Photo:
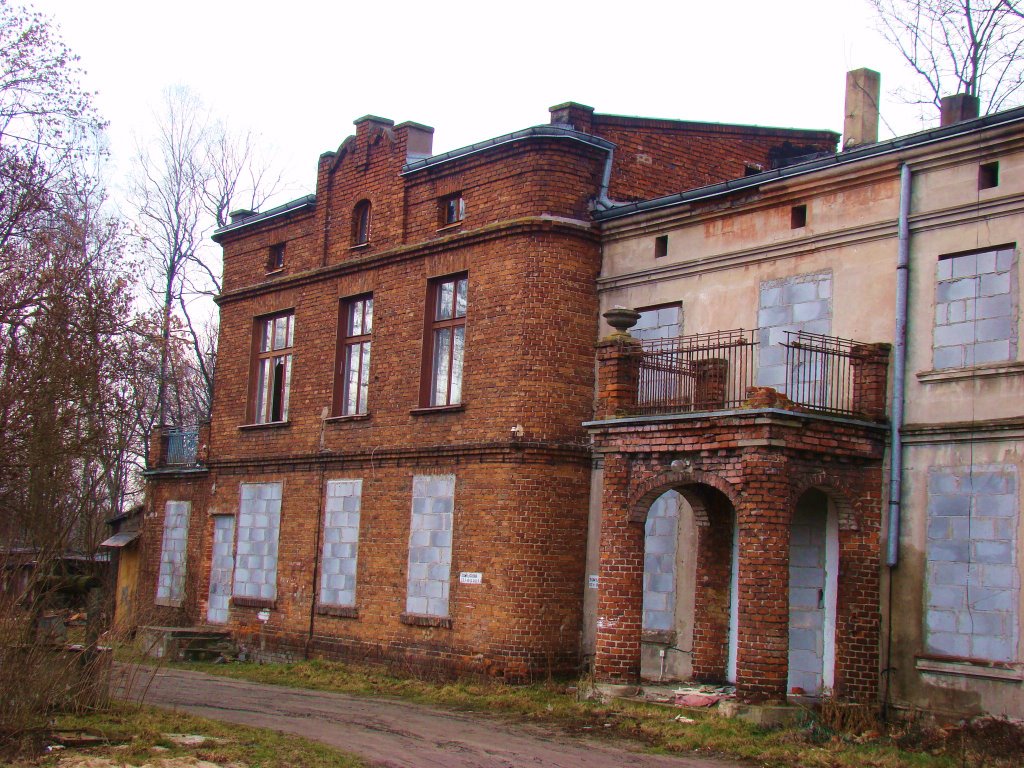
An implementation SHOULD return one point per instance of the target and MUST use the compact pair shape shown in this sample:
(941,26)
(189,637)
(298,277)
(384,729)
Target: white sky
(299,73)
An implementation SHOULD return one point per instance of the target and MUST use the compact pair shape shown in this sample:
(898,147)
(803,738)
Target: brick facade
(514,441)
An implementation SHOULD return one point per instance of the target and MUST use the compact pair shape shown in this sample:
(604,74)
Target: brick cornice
(500,452)
(527,225)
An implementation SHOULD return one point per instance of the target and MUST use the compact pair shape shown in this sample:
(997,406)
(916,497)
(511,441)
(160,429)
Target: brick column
(711,376)
(620,580)
(618,372)
(203,443)
(858,620)
(157,448)
(870,377)
(763,517)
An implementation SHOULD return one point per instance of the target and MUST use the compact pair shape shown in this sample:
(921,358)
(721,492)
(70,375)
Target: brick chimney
(579,117)
(860,126)
(957,108)
(419,140)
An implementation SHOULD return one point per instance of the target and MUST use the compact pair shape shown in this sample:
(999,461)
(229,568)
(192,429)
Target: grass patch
(813,744)
(137,735)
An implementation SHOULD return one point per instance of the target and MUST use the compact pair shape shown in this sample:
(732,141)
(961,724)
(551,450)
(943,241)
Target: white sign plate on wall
(471,578)
(592,581)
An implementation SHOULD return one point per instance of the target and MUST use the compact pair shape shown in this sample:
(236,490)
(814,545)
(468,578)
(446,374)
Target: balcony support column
(870,364)
(618,375)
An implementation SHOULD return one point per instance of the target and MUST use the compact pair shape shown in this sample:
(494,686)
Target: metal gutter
(892,554)
(842,158)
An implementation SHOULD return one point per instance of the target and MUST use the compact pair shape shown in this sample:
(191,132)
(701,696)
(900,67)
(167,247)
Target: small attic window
(988,175)
(361,223)
(452,209)
(798,216)
(275,259)
(660,246)
(752,169)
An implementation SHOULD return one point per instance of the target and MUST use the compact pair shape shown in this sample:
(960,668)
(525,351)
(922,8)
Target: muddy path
(393,733)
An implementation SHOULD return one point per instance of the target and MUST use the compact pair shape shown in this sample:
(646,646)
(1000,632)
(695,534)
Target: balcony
(178,448)
(730,370)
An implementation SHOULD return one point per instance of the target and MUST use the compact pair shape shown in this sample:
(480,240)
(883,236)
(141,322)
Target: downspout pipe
(892,554)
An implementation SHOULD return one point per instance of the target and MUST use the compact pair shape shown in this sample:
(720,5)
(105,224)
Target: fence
(819,372)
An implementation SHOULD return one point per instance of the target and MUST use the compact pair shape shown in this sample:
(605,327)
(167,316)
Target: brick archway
(839,493)
(681,481)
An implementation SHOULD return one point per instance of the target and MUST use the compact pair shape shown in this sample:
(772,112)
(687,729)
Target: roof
(121,539)
(832,160)
(290,207)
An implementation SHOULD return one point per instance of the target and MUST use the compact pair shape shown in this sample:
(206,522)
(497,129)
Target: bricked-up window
(361,223)
(275,337)
(170,588)
(275,260)
(453,209)
(445,340)
(975,309)
(340,543)
(430,545)
(973,589)
(259,523)
(353,381)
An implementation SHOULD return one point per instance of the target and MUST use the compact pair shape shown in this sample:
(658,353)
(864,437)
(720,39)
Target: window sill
(273,272)
(951,665)
(252,602)
(420,620)
(972,372)
(359,246)
(338,611)
(429,409)
(265,425)
(348,417)
(658,636)
(449,227)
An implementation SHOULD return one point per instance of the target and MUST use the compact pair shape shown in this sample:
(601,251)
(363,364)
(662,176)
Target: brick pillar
(618,373)
(870,364)
(858,622)
(620,580)
(711,376)
(763,517)
(157,448)
(711,604)
(203,443)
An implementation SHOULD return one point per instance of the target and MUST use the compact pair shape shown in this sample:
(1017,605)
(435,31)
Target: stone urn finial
(621,319)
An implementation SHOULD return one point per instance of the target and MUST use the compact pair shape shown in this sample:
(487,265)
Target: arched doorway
(689,614)
(813,589)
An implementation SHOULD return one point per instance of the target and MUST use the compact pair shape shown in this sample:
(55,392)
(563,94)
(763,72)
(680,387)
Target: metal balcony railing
(714,371)
(182,446)
(702,372)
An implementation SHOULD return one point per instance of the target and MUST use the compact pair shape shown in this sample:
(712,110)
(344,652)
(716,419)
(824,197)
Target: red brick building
(396,467)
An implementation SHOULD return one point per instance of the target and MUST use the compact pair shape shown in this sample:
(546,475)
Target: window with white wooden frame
(354,334)
(275,339)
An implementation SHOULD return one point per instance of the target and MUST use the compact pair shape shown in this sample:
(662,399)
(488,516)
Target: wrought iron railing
(702,372)
(716,371)
(819,373)
(182,446)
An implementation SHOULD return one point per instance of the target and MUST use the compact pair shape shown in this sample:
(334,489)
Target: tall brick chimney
(959,107)
(860,125)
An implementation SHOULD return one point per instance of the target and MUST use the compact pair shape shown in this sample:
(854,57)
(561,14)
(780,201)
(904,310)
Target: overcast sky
(299,73)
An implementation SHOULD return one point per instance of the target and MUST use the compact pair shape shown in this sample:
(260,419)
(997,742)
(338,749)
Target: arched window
(361,223)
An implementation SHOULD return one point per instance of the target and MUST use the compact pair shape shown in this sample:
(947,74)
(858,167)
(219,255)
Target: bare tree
(187,179)
(975,47)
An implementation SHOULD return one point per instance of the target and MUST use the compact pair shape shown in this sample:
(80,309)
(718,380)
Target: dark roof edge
(841,158)
(600,119)
(257,218)
(537,131)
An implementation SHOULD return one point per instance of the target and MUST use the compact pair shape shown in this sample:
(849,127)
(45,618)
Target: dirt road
(392,733)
